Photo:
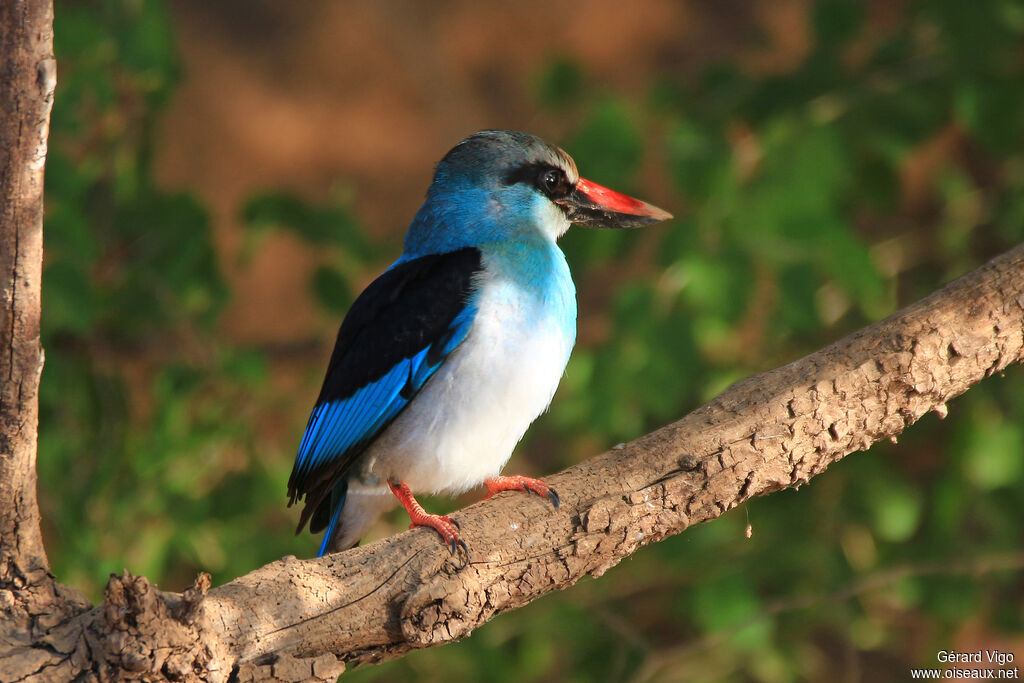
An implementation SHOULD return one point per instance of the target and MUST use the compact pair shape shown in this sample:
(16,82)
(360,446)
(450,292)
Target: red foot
(447,527)
(517,482)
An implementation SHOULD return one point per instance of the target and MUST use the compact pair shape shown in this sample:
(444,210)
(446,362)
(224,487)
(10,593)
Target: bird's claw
(446,527)
(528,484)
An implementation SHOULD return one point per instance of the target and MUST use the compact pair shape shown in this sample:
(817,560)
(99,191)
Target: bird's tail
(338,495)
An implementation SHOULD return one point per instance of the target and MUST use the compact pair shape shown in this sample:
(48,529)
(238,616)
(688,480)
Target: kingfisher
(443,361)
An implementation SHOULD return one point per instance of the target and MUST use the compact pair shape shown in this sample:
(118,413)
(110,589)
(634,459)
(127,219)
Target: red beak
(596,206)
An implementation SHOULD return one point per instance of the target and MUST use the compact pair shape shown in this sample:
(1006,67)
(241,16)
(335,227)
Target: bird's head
(501,185)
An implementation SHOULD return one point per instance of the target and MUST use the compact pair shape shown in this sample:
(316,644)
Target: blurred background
(225,177)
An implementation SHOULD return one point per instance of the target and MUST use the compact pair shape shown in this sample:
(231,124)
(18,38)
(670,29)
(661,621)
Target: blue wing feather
(337,502)
(339,425)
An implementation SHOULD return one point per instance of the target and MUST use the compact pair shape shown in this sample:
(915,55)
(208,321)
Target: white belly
(462,427)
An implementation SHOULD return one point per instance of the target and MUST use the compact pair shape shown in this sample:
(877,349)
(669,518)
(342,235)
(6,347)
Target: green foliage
(561,84)
(799,221)
(331,228)
(145,457)
(315,225)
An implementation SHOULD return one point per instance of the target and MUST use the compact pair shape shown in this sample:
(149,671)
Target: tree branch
(288,620)
(765,433)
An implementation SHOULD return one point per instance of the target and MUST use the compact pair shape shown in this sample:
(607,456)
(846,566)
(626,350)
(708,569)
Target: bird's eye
(554,183)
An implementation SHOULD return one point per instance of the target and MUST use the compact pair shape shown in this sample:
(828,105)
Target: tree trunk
(298,620)
(30,600)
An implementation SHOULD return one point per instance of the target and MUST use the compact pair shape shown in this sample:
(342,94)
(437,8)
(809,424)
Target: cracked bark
(30,601)
(302,619)
(296,620)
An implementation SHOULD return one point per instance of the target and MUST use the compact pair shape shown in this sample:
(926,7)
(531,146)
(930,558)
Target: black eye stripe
(537,175)
(527,173)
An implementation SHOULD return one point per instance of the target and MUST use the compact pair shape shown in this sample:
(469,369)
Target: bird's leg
(447,527)
(518,482)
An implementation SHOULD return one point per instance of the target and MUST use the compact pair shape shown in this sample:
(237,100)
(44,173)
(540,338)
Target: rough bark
(303,619)
(30,601)
(765,433)
(27,81)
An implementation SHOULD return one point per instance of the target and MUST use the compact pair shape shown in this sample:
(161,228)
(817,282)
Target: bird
(443,362)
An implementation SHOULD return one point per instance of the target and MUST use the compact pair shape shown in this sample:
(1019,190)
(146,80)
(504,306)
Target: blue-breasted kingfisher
(443,361)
